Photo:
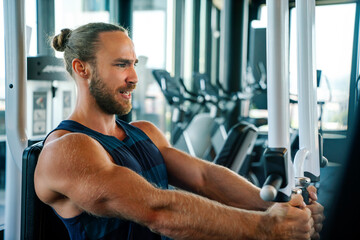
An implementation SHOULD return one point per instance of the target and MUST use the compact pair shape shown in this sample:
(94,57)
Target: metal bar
(308,117)
(15,119)
(179,38)
(277,77)
(114,11)
(208,41)
(354,73)
(45,26)
(233,49)
(196,36)
(125,12)
(215,45)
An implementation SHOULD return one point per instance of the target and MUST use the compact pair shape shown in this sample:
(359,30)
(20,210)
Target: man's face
(105,96)
(114,76)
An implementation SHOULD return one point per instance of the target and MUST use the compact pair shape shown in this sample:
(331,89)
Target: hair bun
(59,42)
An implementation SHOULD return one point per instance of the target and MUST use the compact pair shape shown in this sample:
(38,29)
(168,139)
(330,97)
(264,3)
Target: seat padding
(38,220)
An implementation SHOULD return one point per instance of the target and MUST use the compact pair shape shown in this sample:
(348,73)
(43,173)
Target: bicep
(184,171)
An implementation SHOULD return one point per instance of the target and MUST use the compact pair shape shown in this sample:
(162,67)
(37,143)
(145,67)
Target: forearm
(183,215)
(223,185)
(211,181)
(174,213)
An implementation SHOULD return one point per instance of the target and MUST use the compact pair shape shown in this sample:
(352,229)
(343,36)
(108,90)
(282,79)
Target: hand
(291,220)
(317,212)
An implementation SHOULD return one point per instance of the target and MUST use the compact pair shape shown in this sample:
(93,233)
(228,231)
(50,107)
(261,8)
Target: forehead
(115,44)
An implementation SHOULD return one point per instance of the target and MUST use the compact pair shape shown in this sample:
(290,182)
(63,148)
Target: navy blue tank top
(136,152)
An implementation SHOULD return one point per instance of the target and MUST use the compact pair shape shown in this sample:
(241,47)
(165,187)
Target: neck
(89,114)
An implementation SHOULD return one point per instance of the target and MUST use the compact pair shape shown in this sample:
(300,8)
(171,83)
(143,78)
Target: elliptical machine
(200,132)
(186,110)
(243,133)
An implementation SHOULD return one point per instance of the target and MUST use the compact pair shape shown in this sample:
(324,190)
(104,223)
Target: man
(107,179)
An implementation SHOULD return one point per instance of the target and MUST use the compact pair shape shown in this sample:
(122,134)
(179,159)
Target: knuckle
(318,227)
(308,227)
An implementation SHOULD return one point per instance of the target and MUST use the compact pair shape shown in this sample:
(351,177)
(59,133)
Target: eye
(122,65)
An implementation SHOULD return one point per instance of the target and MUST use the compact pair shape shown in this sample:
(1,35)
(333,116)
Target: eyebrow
(128,61)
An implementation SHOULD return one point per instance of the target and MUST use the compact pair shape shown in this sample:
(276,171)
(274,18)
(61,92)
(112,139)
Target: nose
(132,78)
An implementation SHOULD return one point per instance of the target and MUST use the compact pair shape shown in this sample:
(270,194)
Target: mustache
(129,87)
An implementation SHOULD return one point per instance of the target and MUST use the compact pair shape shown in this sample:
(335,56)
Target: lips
(126,94)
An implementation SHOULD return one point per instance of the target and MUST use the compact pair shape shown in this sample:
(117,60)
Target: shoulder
(63,156)
(62,139)
(145,126)
(154,133)
(63,159)
(69,145)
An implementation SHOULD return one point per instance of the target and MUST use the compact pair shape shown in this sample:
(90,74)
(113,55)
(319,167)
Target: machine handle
(271,186)
(302,183)
(323,162)
(305,195)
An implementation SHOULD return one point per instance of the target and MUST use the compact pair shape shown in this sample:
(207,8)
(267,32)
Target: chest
(143,157)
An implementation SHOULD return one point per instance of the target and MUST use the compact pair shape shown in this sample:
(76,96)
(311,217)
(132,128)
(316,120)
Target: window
(31,27)
(334,43)
(72,14)
(152,37)
(188,43)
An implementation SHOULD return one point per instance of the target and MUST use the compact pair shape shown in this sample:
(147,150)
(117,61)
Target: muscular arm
(75,174)
(216,182)
(204,178)
(88,179)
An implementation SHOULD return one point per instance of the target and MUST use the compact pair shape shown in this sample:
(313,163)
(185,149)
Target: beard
(105,97)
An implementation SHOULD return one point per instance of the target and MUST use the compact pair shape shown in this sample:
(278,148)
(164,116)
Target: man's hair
(82,43)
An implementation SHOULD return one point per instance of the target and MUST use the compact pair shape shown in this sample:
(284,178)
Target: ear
(81,68)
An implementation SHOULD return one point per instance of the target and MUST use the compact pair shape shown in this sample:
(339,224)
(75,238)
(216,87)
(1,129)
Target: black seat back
(169,86)
(38,220)
(237,148)
(202,84)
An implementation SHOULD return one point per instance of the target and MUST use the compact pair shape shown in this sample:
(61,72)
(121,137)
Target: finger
(297,201)
(312,192)
(318,218)
(313,196)
(316,208)
(308,212)
(315,236)
(312,231)
(311,225)
(318,227)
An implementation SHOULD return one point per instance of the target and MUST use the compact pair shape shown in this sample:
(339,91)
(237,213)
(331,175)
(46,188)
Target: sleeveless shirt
(136,152)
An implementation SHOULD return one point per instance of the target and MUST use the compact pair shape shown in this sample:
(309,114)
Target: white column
(15,119)
(277,36)
(307,159)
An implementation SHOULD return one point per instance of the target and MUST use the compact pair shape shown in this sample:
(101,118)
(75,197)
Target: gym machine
(200,134)
(48,87)
(282,176)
